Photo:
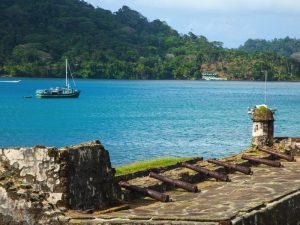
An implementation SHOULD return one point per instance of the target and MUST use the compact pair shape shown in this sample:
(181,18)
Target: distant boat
(60,92)
(252,109)
(10,81)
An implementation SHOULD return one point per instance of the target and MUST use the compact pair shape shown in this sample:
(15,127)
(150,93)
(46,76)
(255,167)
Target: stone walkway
(217,202)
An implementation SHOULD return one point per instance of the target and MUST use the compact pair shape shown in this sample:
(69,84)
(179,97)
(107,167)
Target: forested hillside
(283,46)
(36,36)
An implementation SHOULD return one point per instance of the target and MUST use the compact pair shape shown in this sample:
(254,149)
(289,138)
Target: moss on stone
(39,146)
(262,114)
(262,108)
(52,152)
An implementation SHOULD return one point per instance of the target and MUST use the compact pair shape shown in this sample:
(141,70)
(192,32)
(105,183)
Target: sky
(229,21)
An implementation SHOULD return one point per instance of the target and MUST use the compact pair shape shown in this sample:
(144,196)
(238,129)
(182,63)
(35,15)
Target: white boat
(251,109)
(60,92)
(10,81)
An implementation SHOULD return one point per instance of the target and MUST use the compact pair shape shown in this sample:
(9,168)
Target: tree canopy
(282,46)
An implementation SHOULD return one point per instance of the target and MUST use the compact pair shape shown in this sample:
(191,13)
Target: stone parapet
(38,184)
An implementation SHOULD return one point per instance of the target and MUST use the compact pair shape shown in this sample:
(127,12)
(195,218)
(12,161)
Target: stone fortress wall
(47,185)
(37,184)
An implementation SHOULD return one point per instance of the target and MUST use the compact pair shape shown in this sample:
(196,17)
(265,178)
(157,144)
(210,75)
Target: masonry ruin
(76,185)
(263,127)
(37,184)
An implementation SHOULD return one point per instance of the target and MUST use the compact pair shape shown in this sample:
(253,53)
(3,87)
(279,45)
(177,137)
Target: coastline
(81,78)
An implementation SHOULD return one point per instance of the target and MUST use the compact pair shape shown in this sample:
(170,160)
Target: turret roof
(262,114)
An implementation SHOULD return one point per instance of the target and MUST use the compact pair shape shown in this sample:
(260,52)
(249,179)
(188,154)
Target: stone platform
(269,196)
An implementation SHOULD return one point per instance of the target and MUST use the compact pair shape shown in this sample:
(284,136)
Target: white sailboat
(60,92)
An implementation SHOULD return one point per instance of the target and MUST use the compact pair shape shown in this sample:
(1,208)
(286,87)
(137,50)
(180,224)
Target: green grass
(137,166)
(262,108)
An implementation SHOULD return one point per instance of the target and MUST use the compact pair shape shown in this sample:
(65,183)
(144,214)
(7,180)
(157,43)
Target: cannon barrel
(175,183)
(235,167)
(263,161)
(145,191)
(278,154)
(211,173)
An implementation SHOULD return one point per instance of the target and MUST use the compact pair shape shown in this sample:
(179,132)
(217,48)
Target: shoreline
(196,80)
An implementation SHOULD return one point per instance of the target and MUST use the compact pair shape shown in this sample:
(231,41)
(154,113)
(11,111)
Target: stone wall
(283,211)
(290,144)
(38,184)
(263,133)
(263,126)
(90,177)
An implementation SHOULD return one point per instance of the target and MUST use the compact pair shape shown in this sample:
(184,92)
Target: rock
(21,193)
(12,189)
(63,219)
(88,211)
(63,209)
(35,198)
(26,186)
(6,174)
(39,146)
(8,184)
(53,152)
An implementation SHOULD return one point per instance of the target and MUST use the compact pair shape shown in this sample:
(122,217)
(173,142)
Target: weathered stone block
(87,170)
(39,180)
(263,127)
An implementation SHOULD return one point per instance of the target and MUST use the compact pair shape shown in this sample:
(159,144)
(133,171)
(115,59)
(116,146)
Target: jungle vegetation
(36,36)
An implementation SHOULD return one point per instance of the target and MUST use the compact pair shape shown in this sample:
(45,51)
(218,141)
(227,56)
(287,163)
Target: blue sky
(229,21)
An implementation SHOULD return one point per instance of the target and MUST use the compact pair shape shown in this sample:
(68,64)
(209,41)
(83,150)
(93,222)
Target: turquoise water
(139,120)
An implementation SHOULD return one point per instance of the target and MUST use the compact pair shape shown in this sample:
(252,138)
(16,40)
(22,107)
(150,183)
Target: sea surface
(141,120)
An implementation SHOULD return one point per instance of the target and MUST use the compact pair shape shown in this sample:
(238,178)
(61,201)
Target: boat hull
(71,95)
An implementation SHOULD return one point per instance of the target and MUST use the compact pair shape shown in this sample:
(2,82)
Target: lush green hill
(36,36)
(283,46)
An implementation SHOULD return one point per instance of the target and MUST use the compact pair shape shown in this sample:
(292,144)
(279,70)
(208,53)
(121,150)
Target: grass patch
(262,108)
(138,166)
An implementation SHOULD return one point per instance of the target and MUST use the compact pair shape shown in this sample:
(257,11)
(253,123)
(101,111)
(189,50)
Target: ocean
(141,120)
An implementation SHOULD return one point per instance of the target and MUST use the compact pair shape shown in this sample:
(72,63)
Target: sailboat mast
(67,85)
(266,78)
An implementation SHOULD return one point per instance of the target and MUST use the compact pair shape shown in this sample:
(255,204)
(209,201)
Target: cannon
(263,161)
(176,183)
(145,191)
(277,154)
(207,172)
(235,167)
